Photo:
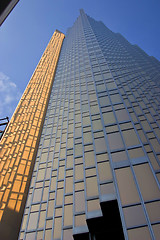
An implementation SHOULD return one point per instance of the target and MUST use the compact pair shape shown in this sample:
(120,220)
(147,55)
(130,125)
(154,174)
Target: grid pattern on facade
(19,144)
(100,139)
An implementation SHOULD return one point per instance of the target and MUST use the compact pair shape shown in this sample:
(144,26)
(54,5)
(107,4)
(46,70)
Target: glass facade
(97,169)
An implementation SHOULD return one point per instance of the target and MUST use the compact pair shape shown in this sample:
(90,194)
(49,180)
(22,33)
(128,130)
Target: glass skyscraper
(93,144)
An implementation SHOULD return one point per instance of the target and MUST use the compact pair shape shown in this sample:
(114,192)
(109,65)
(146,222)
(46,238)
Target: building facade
(97,165)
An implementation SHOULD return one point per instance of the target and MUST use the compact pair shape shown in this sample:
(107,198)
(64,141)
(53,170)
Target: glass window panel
(94,109)
(80,220)
(59,197)
(45,194)
(58,212)
(57,228)
(148,186)
(87,137)
(79,201)
(122,115)
(92,187)
(89,159)
(155,144)
(93,205)
(37,195)
(68,215)
(136,153)
(70,143)
(42,219)
(33,219)
(139,234)
(86,121)
(41,173)
(61,173)
(68,234)
(134,216)
(78,149)
(78,172)
(104,101)
(78,131)
(48,234)
(97,125)
(30,236)
(108,118)
(107,189)
(50,208)
(69,184)
(119,156)
(130,137)
(102,157)
(68,199)
(153,210)
(104,171)
(79,186)
(69,161)
(115,141)
(39,235)
(111,85)
(127,187)
(100,145)
(115,98)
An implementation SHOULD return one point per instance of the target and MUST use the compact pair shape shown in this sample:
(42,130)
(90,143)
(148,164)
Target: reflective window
(127,187)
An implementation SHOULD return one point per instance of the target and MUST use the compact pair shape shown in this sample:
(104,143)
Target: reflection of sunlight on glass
(18,144)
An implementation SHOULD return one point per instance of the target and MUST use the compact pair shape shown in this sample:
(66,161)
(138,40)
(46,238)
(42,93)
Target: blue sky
(27,30)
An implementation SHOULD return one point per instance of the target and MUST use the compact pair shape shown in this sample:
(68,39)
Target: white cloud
(9,96)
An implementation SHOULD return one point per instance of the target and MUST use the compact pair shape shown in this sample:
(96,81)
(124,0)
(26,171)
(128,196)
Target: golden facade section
(19,144)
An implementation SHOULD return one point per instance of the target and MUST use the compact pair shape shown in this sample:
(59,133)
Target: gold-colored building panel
(19,144)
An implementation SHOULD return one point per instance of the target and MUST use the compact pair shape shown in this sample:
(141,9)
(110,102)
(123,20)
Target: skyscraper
(95,167)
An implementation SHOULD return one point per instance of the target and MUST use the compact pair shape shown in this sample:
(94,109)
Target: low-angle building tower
(83,146)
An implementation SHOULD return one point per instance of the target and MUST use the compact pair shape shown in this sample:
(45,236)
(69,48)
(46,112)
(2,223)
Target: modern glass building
(90,144)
